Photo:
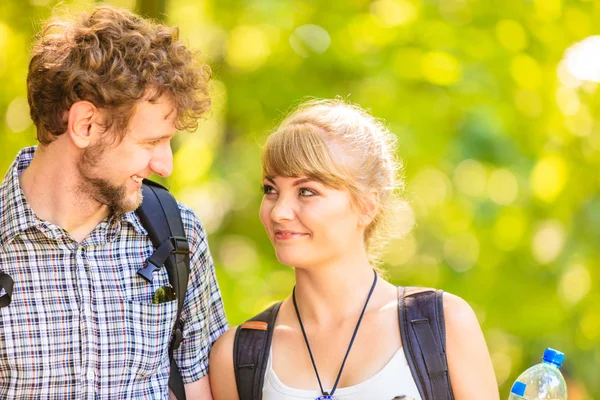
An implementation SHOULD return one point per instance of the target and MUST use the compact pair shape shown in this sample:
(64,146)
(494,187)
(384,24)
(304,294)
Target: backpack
(421,320)
(160,215)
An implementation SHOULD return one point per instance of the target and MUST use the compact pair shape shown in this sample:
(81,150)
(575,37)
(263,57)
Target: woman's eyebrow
(296,183)
(303,180)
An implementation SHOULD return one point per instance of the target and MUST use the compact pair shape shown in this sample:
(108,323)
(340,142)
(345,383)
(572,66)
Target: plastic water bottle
(542,381)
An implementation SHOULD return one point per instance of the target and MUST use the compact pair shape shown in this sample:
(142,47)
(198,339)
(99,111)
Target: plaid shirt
(81,324)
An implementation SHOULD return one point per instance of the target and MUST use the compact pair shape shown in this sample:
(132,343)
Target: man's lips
(137,178)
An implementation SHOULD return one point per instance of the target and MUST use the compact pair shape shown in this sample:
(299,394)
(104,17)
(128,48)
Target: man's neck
(50,185)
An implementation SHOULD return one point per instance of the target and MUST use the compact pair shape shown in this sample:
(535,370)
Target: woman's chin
(294,259)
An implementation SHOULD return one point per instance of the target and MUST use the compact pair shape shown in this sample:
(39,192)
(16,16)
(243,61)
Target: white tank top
(395,379)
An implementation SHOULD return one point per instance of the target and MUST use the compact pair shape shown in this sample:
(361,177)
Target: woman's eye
(304,192)
(153,142)
(267,189)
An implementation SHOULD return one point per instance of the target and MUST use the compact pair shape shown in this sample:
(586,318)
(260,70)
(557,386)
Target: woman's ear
(370,208)
(81,117)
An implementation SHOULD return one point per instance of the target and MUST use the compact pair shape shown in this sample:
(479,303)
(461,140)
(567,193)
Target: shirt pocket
(148,334)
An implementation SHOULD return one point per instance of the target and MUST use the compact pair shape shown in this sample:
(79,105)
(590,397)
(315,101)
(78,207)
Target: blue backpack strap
(251,353)
(160,215)
(422,328)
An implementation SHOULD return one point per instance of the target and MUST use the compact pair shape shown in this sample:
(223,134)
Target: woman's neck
(333,292)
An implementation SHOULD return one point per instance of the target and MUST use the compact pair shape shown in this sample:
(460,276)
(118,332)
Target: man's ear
(370,207)
(81,118)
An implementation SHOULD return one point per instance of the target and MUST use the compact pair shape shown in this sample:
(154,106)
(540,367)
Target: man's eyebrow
(165,136)
(270,179)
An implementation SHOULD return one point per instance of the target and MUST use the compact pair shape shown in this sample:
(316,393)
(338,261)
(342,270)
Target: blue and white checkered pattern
(81,324)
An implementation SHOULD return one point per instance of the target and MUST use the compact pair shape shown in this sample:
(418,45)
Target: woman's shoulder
(452,302)
(458,314)
(221,372)
(222,350)
(467,353)
(224,344)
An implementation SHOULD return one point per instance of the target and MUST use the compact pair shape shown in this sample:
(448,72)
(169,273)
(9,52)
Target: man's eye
(154,142)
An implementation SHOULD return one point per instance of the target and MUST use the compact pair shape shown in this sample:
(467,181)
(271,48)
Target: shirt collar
(16,215)
(134,220)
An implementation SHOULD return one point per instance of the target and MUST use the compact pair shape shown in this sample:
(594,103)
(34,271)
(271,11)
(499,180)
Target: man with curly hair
(107,91)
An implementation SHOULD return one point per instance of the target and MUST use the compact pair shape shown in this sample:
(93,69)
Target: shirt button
(90,375)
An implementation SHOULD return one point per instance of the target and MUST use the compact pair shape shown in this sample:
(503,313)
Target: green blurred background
(498,129)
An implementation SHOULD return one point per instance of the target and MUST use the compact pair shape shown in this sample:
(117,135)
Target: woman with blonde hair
(330,175)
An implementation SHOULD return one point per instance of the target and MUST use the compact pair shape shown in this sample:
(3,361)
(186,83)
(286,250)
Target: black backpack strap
(422,328)
(160,215)
(251,353)
(6,286)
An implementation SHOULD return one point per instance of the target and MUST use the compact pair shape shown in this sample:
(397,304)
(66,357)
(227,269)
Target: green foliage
(500,147)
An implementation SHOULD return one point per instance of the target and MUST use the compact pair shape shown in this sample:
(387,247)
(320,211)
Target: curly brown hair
(113,59)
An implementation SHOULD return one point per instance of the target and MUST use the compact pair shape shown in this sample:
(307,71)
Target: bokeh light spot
(461,251)
(590,324)
(238,254)
(548,9)
(192,161)
(470,177)
(502,187)
(390,13)
(567,100)
(548,241)
(431,187)
(581,123)
(574,284)
(548,177)
(17,115)
(582,59)
(440,68)
(511,35)
(509,229)
(310,39)
(529,103)
(526,71)
(248,48)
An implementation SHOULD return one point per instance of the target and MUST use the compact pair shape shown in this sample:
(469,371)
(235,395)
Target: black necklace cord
(349,346)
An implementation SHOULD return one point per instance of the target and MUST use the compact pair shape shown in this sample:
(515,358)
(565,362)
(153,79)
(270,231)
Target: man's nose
(162,161)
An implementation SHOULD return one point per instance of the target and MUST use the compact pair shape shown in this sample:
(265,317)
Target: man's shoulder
(188,215)
(192,224)
(15,215)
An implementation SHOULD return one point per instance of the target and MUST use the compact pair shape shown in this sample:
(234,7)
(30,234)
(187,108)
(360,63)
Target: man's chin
(128,204)
(136,200)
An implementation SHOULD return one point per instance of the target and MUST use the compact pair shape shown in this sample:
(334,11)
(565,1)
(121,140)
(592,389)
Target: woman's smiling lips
(281,235)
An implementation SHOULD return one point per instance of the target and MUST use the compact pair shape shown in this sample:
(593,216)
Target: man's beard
(101,189)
